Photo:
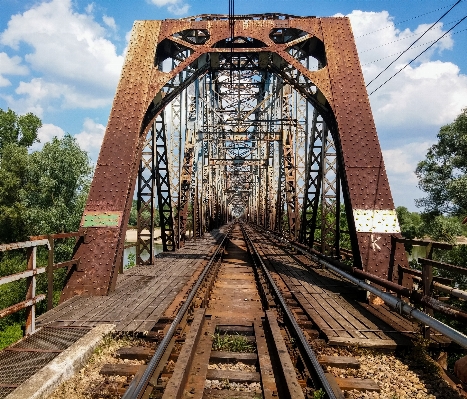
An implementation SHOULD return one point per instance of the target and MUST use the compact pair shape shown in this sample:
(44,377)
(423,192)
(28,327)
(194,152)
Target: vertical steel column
(313,181)
(163,185)
(145,203)
(330,202)
(289,164)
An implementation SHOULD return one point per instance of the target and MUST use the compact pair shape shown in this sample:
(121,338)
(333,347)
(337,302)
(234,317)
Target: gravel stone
(410,376)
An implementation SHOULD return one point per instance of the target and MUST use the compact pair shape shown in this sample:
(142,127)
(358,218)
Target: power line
(406,65)
(402,38)
(420,45)
(401,22)
(408,48)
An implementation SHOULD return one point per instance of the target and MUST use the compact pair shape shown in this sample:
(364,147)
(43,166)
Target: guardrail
(32,271)
(429,283)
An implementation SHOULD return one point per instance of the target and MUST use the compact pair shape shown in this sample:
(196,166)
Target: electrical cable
(406,65)
(420,45)
(402,38)
(401,22)
(408,48)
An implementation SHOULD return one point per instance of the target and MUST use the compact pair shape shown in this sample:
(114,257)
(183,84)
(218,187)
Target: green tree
(443,174)
(133,214)
(40,192)
(410,222)
(18,129)
(43,191)
(58,184)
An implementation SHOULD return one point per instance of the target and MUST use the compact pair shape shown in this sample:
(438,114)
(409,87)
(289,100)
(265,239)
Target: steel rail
(137,387)
(310,358)
(396,303)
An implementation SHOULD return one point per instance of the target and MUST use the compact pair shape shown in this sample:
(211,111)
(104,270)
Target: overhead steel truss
(266,119)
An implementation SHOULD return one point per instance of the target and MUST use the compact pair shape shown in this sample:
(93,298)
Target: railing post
(31,291)
(50,274)
(400,277)
(427,281)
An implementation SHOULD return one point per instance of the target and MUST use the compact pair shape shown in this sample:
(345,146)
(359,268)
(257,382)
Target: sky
(61,59)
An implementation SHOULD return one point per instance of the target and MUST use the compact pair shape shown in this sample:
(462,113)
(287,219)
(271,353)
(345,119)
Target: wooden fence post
(31,291)
(50,274)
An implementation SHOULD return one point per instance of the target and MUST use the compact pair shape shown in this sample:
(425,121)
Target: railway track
(229,338)
(238,333)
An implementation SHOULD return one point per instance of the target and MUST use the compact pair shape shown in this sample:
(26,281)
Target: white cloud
(402,161)
(68,49)
(10,66)
(45,134)
(110,22)
(38,96)
(426,87)
(177,7)
(90,8)
(90,138)
(411,107)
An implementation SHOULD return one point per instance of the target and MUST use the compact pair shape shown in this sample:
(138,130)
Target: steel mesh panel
(16,367)
(4,392)
(52,338)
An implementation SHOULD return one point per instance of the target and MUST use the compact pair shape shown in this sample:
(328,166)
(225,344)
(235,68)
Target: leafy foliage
(20,130)
(133,220)
(443,174)
(58,178)
(133,214)
(41,192)
(411,223)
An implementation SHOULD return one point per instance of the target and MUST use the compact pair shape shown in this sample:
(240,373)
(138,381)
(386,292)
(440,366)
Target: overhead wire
(401,22)
(402,38)
(406,65)
(408,48)
(420,45)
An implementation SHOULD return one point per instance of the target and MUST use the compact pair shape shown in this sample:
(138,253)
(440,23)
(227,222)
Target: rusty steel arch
(336,90)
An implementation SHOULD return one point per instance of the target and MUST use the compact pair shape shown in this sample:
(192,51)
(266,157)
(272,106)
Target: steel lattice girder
(275,45)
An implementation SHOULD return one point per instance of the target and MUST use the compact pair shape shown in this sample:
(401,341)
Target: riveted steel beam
(237,102)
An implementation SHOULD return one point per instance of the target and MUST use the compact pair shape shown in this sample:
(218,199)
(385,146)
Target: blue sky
(61,59)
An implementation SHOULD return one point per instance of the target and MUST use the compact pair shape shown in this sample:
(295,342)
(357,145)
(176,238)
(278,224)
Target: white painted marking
(376,221)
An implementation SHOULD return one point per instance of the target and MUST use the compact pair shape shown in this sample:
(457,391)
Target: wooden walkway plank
(331,312)
(100,311)
(125,308)
(330,317)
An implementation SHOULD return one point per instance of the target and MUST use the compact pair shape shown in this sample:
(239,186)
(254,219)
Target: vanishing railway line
(243,313)
(242,331)
(232,338)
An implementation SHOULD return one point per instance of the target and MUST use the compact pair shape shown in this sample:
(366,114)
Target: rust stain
(343,94)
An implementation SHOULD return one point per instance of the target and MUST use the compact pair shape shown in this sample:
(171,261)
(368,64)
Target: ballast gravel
(409,376)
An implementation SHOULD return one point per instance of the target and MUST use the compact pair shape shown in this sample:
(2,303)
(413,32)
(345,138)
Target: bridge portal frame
(337,91)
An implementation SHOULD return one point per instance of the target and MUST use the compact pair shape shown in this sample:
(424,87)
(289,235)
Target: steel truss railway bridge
(250,142)
(261,117)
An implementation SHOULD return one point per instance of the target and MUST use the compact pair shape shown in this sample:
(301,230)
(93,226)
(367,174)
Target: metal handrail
(396,303)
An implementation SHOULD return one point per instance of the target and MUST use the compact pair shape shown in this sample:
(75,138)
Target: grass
(231,343)
(10,334)
(319,394)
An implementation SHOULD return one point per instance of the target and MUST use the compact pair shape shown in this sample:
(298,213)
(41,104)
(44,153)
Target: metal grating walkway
(23,359)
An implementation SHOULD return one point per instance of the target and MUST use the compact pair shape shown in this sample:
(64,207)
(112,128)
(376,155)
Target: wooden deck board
(336,309)
(142,294)
(322,295)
